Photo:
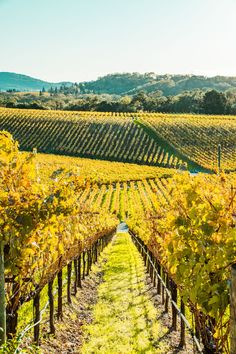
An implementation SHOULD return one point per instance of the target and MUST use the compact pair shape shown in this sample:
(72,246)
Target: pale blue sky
(80,40)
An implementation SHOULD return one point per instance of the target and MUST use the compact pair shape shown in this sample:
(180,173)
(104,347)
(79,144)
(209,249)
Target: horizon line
(120,73)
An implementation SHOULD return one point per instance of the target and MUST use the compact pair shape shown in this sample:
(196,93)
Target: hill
(149,139)
(10,81)
(131,83)
(125,83)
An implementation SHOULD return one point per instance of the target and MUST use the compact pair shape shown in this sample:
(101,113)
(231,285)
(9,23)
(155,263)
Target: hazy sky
(80,40)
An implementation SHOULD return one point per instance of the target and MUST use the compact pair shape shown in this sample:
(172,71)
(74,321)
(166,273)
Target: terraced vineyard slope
(186,222)
(165,140)
(113,137)
(197,136)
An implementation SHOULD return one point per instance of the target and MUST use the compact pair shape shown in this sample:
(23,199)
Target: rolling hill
(148,139)
(169,85)
(125,83)
(10,81)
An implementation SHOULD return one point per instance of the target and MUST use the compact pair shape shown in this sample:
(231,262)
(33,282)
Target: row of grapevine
(43,227)
(50,166)
(198,136)
(118,137)
(188,223)
(194,238)
(94,135)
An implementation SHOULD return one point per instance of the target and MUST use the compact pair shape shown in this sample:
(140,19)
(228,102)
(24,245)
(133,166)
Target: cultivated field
(153,139)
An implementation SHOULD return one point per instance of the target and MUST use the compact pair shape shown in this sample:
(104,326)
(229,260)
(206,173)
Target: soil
(69,331)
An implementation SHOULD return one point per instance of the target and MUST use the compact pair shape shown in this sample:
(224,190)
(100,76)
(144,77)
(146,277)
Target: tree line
(69,98)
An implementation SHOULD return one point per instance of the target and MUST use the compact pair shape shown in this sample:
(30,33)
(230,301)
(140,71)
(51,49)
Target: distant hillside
(125,83)
(9,81)
(129,84)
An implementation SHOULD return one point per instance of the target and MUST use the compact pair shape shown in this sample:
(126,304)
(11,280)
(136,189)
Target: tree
(139,100)
(214,102)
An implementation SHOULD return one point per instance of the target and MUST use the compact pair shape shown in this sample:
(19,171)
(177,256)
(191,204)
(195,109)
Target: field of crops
(55,207)
(198,136)
(188,224)
(92,135)
(165,140)
(50,166)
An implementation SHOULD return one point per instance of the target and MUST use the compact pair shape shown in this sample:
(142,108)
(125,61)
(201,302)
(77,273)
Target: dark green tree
(214,102)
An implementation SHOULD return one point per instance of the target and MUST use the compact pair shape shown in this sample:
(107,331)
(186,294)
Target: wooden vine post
(90,259)
(155,276)
(167,297)
(51,307)
(182,326)
(174,298)
(159,281)
(76,276)
(59,305)
(79,272)
(2,297)
(163,288)
(96,251)
(12,310)
(84,265)
(233,310)
(69,269)
(36,318)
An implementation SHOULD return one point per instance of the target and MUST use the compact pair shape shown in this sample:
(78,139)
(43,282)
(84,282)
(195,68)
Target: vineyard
(148,139)
(198,136)
(59,212)
(108,137)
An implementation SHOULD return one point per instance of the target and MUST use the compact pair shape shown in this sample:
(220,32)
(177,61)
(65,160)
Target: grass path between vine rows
(124,317)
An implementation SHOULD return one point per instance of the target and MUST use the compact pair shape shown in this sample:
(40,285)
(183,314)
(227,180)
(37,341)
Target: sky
(80,40)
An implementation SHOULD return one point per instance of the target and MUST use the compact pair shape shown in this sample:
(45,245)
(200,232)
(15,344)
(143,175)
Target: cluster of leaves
(196,137)
(194,236)
(198,239)
(41,226)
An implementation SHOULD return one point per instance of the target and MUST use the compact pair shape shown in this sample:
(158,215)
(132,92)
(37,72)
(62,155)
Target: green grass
(124,318)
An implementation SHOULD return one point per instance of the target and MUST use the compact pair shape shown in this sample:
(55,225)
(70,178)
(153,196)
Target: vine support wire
(169,295)
(31,324)
(38,319)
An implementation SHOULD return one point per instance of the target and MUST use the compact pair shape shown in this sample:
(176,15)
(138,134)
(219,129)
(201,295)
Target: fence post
(174,298)
(69,267)
(233,310)
(149,263)
(167,297)
(36,304)
(59,307)
(79,272)
(151,267)
(88,265)
(51,307)
(154,271)
(76,276)
(182,326)
(90,258)
(163,288)
(84,265)
(158,280)
(145,257)
(96,252)
(12,311)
